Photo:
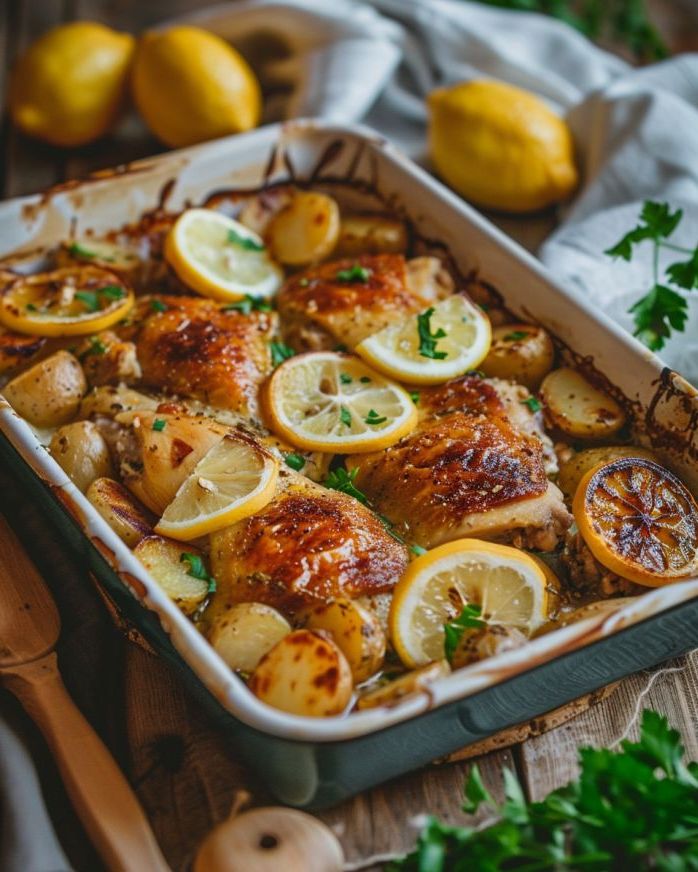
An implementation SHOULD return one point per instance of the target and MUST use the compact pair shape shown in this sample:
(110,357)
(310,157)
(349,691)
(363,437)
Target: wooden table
(183,771)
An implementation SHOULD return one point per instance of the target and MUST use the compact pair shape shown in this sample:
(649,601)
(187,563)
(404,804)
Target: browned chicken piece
(319,310)
(196,348)
(17,350)
(108,360)
(465,471)
(307,546)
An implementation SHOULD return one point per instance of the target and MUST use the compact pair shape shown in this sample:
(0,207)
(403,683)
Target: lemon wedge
(233,480)
(219,257)
(506,583)
(439,344)
(325,401)
(72,301)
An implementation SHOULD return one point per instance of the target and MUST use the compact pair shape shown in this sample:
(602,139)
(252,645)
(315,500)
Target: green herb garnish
(295,461)
(515,335)
(111,292)
(341,480)
(96,347)
(373,419)
(533,404)
(197,569)
(427,339)
(159,424)
(345,416)
(636,808)
(355,273)
(468,619)
(280,352)
(244,241)
(249,304)
(30,307)
(92,299)
(414,396)
(345,378)
(417,550)
(365,379)
(78,251)
(662,309)
(158,306)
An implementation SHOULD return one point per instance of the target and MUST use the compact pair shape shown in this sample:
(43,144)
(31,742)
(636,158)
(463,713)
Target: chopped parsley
(345,378)
(280,352)
(355,273)
(468,619)
(77,250)
(30,307)
(341,480)
(373,419)
(244,241)
(417,550)
(427,339)
(414,396)
(197,569)
(533,404)
(345,416)
(295,461)
(515,335)
(365,379)
(159,424)
(249,304)
(158,306)
(92,300)
(96,346)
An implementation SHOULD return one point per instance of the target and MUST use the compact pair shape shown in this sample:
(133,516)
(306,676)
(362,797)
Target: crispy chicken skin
(465,471)
(195,348)
(319,311)
(307,546)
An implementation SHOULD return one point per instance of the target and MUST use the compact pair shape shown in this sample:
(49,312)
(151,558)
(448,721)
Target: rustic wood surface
(185,774)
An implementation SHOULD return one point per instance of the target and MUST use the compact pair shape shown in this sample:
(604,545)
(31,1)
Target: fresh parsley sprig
(92,300)
(341,480)
(427,339)
(468,619)
(197,569)
(636,808)
(248,304)
(355,273)
(244,242)
(279,352)
(662,309)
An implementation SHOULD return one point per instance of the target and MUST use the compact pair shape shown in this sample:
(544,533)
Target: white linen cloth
(636,130)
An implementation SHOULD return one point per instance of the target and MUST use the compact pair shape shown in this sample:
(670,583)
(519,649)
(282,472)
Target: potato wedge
(577,408)
(306,230)
(124,514)
(245,632)
(357,632)
(304,674)
(163,560)
(111,400)
(576,467)
(486,642)
(522,353)
(81,451)
(410,683)
(49,393)
(370,234)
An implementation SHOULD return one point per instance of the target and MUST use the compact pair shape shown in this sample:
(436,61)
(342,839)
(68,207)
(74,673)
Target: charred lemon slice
(72,301)
(639,521)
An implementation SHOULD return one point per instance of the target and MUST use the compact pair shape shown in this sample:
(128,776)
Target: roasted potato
(124,514)
(522,353)
(49,393)
(17,349)
(370,234)
(486,642)
(81,451)
(410,683)
(357,632)
(100,252)
(163,560)
(245,632)
(575,468)
(304,674)
(305,231)
(111,400)
(577,408)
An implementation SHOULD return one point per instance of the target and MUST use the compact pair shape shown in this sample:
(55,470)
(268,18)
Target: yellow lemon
(69,86)
(500,146)
(190,86)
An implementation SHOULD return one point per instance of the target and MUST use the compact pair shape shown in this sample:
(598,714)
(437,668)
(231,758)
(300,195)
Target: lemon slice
(324,401)
(219,257)
(508,585)
(72,301)
(440,343)
(233,480)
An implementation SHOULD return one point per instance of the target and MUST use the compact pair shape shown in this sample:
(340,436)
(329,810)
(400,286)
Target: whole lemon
(190,85)
(70,84)
(500,146)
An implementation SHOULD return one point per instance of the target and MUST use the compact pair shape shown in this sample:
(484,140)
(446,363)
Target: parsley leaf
(279,353)
(295,461)
(345,416)
(417,550)
(414,396)
(656,313)
(158,306)
(244,241)
(249,304)
(159,424)
(427,339)
(656,222)
(345,378)
(373,419)
(356,273)
(341,480)
(684,274)
(197,569)
(533,404)
(89,299)
(515,335)
(92,300)
(78,251)
(469,618)
(96,347)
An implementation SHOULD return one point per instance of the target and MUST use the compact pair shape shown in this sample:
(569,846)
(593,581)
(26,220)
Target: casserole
(312,762)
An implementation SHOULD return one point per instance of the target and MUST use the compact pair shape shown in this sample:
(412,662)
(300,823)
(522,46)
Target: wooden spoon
(103,799)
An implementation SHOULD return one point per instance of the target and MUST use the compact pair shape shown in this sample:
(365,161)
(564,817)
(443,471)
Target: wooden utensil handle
(99,791)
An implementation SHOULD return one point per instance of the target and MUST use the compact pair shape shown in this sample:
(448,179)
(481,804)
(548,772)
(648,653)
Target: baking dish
(316,762)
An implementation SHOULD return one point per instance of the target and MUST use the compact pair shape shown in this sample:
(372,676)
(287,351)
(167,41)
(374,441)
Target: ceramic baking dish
(316,762)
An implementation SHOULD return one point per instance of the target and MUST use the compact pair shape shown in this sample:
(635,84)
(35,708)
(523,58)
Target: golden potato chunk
(522,353)
(49,393)
(573,470)
(579,409)
(124,514)
(306,230)
(81,451)
(357,632)
(244,633)
(166,561)
(304,674)
(370,233)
